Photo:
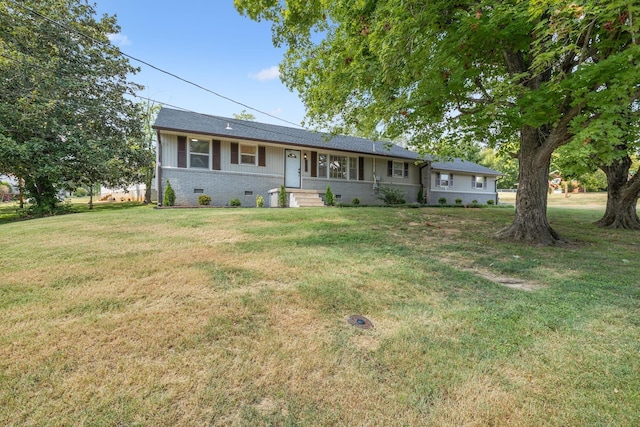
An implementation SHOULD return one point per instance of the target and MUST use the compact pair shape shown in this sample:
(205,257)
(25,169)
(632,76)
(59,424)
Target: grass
(140,316)
(595,201)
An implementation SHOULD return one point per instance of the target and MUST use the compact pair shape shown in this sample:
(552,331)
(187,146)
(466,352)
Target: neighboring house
(133,193)
(228,158)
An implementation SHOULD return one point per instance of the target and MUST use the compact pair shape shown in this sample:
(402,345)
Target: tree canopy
(540,72)
(66,114)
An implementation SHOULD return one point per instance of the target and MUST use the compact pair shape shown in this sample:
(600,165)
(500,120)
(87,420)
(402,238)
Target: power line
(60,24)
(237,122)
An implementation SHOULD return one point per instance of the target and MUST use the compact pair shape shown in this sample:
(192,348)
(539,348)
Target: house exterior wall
(462,188)
(248,181)
(222,186)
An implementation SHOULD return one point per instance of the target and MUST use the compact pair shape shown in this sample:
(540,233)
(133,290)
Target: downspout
(425,196)
(159,170)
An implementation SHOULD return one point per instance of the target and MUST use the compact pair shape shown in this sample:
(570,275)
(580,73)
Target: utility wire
(60,24)
(236,122)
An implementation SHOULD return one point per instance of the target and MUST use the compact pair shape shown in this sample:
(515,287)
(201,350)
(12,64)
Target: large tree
(612,151)
(66,114)
(544,71)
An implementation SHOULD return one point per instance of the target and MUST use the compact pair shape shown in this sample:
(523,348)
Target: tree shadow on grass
(11,212)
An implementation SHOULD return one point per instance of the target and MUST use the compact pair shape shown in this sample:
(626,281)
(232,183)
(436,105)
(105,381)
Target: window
(478,182)
(398,169)
(338,167)
(353,168)
(322,165)
(248,154)
(199,153)
(444,180)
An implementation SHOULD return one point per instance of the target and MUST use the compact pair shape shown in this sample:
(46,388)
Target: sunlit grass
(138,315)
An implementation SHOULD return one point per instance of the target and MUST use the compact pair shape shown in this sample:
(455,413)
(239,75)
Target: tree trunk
(90,196)
(148,179)
(530,224)
(622,196)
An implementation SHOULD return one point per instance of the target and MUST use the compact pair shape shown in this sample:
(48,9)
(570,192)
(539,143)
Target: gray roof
(176,120)
(460,165)
(186,121)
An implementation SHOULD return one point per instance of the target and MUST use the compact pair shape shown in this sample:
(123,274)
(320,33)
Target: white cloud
(266,74)
(119,39)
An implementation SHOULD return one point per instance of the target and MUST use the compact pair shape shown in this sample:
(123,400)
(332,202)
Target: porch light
(228,127)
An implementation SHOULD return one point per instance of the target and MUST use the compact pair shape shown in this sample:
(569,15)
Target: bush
(259,201)
(458,201)
(329,199)
(355,201)
(204,200)
(391,196)
(474,202)
(235,202)
(490,202)
(9,188)
(169,198)
(442,201)
(5,192)
(80,192)
(282,197)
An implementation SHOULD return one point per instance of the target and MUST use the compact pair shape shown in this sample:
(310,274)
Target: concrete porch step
(306,200)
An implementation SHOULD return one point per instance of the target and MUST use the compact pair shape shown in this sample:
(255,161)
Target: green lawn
(130,315)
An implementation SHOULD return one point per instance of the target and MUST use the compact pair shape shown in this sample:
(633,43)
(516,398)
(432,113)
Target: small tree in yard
(169,195)
(282,197)
(329,199)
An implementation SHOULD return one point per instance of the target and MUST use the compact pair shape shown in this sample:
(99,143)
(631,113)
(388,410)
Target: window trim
(241,154)
(353,167)
(191,153)
(449,179)
(482,182)
(398,169)
(342,169)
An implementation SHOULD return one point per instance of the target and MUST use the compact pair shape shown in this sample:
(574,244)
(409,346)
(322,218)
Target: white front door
(292,168)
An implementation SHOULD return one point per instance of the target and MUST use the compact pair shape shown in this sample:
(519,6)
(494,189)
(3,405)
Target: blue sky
(209,43)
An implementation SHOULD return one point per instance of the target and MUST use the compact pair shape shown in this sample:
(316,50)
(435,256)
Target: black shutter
(234,153)
(262,155)
(389,168)
(451,180)
(484,183)
(361,168)
(406,169)
(437,179)
(314,164)
(182,151)
(216,155)
(473,181)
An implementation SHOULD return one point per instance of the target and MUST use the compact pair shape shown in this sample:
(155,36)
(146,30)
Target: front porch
(297,198)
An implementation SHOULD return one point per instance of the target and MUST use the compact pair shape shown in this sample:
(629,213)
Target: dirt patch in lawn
(508,281)
(500,279)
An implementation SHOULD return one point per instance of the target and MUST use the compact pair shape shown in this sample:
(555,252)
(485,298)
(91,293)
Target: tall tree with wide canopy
(65,117)
(546,71)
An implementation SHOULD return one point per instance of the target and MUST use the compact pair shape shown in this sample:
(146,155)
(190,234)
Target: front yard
(239,317)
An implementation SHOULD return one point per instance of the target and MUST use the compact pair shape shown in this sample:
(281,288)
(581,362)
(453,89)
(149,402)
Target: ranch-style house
(226,158)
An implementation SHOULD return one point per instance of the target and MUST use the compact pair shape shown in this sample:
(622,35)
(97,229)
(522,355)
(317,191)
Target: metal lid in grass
(360,322)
